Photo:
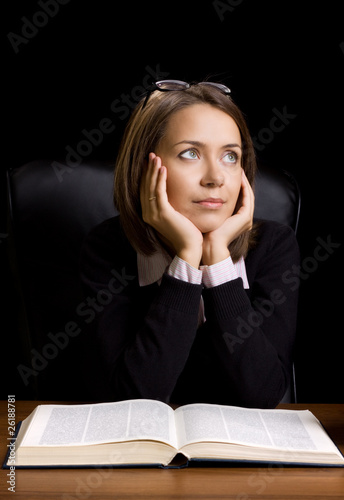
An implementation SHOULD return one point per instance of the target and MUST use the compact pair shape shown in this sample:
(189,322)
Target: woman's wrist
(192,257)
(214,253)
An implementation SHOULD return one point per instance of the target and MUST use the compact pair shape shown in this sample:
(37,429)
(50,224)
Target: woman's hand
(215,243)
(176,231)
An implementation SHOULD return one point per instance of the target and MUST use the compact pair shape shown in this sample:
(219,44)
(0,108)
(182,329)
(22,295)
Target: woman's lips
(211,203)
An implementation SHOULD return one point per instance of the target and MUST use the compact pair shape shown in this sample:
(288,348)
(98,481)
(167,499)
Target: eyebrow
(201,144)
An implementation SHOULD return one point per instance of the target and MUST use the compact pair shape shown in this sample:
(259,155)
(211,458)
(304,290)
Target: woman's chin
(208,227)
(209,222)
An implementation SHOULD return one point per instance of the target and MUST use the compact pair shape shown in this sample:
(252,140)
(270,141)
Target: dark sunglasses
(177,85)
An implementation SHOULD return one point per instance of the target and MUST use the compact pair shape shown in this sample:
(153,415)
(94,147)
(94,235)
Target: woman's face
(202,151)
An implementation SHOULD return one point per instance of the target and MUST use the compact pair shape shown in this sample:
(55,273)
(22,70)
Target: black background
(272,54)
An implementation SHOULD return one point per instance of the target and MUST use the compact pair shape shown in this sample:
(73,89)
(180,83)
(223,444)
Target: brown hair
(143,132)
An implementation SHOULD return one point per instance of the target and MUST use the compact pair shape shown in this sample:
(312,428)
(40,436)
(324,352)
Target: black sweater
(149,340)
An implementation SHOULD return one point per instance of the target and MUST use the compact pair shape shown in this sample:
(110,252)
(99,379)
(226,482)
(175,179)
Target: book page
(282,429)
(200,422)
(267,429)
(64,425)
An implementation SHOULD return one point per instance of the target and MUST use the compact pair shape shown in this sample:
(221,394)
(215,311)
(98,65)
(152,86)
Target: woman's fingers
(153,173)
(153,194)
(247,205)
(148,184)
(161,192)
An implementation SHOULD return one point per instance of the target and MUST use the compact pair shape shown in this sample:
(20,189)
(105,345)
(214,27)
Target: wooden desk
(239,483)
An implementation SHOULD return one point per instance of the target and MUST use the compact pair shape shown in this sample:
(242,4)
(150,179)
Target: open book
(147,432)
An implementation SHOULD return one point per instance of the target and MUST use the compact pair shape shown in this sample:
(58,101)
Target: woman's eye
(189,154)
(231,158)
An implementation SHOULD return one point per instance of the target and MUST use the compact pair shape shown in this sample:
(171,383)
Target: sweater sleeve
(144,334)
(253,333)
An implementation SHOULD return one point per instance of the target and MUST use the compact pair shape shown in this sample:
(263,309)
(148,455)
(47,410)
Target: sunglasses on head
(178,85)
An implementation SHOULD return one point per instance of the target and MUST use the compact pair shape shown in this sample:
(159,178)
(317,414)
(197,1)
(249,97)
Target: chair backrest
(52,207)
(277,196)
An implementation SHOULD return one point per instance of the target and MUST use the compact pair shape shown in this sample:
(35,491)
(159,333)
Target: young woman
(193,303)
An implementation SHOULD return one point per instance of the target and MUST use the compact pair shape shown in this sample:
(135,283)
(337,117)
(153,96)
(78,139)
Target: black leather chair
(50,212)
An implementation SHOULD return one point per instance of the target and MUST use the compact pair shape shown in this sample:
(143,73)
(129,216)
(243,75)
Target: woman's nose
(213,175)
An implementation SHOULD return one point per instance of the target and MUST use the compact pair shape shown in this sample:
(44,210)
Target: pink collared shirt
(151,269)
